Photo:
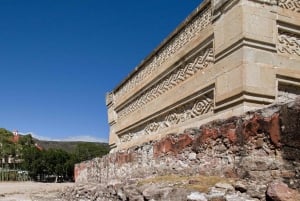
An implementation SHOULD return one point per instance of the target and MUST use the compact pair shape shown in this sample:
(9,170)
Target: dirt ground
(31,191)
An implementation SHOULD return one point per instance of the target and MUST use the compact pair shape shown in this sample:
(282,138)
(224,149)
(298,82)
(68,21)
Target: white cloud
(37,136)
(84,138)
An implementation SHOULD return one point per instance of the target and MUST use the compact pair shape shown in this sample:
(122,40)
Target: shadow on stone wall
(290,140)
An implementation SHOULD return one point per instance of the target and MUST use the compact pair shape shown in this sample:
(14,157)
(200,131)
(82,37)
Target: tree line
(44,165)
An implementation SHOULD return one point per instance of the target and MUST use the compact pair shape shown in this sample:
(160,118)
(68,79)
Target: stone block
(278,191)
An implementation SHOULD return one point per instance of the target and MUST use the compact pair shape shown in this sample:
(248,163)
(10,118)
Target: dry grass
(203,183)
(199,183)
(164,179)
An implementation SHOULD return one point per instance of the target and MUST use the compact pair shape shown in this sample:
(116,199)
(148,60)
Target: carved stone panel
(179,75)
(293,5)
(288,43)
(193,109)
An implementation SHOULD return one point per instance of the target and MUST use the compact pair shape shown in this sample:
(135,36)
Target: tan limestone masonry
(227,57)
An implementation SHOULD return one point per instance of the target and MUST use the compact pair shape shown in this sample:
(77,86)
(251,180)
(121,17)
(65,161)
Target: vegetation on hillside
(45,164)
(70,146)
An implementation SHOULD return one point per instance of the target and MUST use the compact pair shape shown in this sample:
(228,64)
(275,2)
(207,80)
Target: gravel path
(31,191)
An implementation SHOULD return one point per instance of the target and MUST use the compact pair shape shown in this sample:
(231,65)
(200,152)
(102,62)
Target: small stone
(240,186)
(233,197)
(257,190)
(217,199)
(156,192)
(192,156)
(121,195)
(239,197)
(221,148)
(279,191)
(259,143)
(216,195)
(196,196)
(226,186)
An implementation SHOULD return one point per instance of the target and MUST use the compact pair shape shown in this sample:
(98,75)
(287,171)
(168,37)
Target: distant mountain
(68,146)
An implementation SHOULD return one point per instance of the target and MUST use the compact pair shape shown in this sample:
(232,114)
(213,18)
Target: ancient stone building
(227,57)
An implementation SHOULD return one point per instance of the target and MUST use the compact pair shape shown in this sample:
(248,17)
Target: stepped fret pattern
(200,106)
(184,72)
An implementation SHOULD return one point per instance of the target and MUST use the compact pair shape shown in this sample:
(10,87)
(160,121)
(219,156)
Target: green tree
(56,160)
(33,161)
(6,145)
(26,140)
(5,133)
(88,150)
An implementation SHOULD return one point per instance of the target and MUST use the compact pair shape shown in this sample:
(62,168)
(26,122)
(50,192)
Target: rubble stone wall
(262,145)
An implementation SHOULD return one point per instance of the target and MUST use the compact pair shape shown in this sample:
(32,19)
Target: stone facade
(226,58)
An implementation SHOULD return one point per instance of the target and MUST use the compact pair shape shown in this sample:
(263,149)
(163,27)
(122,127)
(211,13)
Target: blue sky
(58,58)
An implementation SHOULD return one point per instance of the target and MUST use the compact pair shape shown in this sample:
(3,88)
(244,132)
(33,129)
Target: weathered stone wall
(226,58)
(259,146)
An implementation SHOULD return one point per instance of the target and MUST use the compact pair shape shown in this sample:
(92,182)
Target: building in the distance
(227,57)
(16,136)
